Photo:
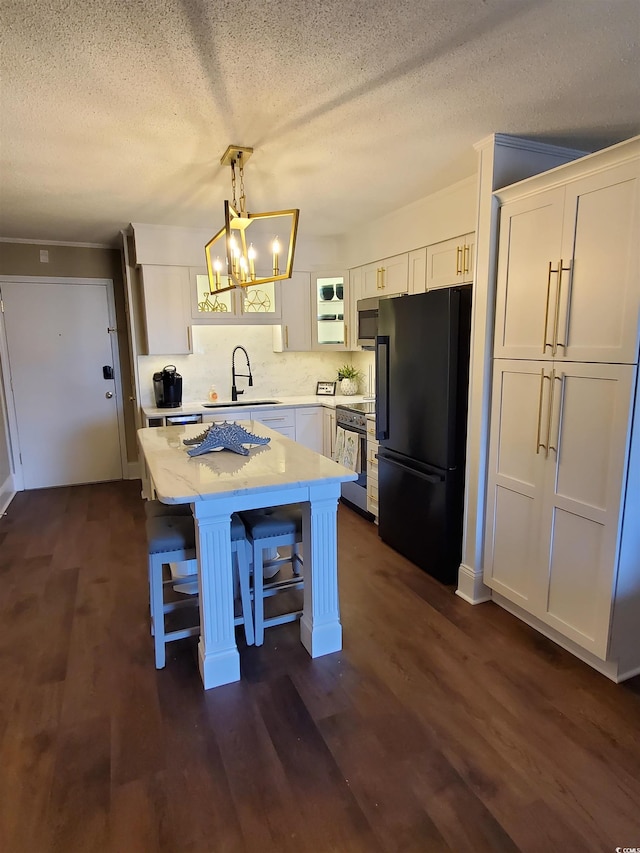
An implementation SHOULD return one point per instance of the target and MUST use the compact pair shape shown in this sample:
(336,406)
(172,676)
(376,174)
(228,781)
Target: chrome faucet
(234,390)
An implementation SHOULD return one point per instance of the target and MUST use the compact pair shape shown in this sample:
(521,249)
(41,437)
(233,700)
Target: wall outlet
(44,256)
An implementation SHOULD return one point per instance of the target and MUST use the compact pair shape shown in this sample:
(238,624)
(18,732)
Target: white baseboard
(7,493)
(470,586)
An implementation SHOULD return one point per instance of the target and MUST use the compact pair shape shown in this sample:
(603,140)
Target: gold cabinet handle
(382,278)
(346,335)
(545,344)
(557,343)
(560,379)
(539,444)
(466,255)
(286,337)
(458,260)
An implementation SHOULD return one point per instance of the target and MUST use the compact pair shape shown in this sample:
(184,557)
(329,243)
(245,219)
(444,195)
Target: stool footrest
(281,620)
(275,587)
(182,634)
(171,606)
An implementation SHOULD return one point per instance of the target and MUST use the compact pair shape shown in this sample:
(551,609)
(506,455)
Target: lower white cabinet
(328,432)
(561,475)
(227,414)
(309,427)
(372,469)
(303,424)
(282,420)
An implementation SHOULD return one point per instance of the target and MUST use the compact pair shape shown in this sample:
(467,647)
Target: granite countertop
(197,407)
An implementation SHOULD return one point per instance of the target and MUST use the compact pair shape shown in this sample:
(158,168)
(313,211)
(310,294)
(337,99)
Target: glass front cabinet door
(259,304)
(329,299)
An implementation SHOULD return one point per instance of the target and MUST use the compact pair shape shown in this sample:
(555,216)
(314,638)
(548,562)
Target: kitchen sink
(238,403)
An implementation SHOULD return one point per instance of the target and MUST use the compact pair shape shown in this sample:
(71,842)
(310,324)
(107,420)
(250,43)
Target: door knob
(109,395)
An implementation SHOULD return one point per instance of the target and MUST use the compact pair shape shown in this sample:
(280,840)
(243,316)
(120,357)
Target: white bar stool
(271,528)
(171,539)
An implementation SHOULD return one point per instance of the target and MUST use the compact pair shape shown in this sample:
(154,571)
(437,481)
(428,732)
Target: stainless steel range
(353,418)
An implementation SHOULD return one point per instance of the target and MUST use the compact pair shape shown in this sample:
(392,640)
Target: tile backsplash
(287,374)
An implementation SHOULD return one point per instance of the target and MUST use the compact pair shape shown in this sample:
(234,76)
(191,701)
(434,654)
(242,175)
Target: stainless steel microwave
(367,310)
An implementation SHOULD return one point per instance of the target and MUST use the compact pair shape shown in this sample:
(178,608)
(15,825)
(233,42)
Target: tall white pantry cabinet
(562,545)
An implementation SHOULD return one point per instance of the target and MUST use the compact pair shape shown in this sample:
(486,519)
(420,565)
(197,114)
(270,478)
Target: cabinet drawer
(275,418)
(371,430)
(225,414)
(372,490)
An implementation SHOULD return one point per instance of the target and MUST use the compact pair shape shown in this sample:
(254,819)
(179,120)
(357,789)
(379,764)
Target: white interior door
(66,412)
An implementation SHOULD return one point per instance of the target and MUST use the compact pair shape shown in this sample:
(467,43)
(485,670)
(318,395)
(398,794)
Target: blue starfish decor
(223,436)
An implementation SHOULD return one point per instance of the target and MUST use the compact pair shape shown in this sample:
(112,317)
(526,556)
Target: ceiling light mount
(249,243)
(234,154)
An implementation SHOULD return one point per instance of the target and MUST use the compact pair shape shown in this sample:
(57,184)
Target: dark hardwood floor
(439,727)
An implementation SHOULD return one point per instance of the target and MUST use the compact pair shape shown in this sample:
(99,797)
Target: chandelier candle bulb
(243,268)
(217,266)
(276,258)
(234,255)
(252,256)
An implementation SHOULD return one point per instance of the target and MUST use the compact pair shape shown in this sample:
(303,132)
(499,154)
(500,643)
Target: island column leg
(218,657)
(320,628)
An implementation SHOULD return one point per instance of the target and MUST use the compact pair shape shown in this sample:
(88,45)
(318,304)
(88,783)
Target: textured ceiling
(113,113)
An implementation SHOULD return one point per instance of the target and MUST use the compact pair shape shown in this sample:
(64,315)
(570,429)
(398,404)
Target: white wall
(439,216)
(274,374)
(175,246)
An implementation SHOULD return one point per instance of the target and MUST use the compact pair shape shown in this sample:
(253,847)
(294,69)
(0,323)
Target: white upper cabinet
(599,308)
(330,311)
(256,305)
(418,270)
(165,297)
(568,266)
(293,333)
(355,293)
(450,262)
(386,277)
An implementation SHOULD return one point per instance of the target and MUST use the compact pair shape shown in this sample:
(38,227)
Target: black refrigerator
(422,380)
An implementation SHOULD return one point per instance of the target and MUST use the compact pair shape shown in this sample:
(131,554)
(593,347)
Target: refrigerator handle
(382,387)
(430,478)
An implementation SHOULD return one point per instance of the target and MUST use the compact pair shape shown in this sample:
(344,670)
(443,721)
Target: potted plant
(349,378)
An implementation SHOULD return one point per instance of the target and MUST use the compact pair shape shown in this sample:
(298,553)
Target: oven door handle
(430,478)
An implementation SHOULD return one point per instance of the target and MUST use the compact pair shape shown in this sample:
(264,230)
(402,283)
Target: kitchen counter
(220,483)
(196,408)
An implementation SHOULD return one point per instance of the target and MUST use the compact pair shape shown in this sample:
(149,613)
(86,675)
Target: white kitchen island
(220,483)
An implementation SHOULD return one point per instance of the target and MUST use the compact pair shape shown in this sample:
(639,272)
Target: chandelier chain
(233,184)
(243,198)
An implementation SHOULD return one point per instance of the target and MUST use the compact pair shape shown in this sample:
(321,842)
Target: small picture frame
(326,389)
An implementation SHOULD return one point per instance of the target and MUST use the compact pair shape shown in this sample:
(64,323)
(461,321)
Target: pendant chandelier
(252,248)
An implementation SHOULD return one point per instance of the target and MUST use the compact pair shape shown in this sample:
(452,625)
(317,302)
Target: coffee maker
(167,385)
